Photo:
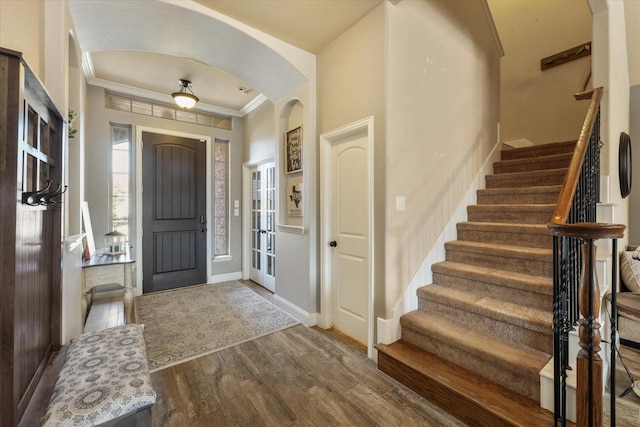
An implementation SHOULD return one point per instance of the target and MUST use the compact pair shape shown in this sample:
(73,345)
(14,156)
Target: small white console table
(104,269)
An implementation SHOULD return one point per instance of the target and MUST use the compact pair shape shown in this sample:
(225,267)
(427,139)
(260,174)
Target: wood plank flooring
(296,377)
(627,407)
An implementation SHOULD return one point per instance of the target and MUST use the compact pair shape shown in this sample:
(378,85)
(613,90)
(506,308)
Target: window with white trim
(221,197)
(120,176)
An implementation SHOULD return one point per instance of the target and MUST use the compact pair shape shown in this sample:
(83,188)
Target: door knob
(333,243)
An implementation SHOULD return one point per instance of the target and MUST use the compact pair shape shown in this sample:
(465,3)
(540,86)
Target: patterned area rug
(187,323)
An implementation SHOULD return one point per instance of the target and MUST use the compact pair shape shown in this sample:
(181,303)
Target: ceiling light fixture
(183,98)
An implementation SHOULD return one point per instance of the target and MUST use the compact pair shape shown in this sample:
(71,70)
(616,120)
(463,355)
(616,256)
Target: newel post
(589,363)
(589,393)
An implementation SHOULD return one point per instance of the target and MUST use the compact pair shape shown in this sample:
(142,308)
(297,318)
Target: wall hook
(31,198)
(48,199)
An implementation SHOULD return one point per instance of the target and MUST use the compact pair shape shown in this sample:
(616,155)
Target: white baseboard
(309,319)
(217,278)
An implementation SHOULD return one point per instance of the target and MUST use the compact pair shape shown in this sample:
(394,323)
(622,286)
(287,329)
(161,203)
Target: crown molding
(253,104)
(89,73)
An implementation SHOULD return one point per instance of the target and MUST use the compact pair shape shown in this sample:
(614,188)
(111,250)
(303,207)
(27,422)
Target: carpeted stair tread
(534,235)
(505,354)
(523,252)
(504,311)
(497,276)
(556,161)
(526,179)
(489,309)
(527,289)
(512,258)
(521,213)
(519,195)
(468,396)
(538,150)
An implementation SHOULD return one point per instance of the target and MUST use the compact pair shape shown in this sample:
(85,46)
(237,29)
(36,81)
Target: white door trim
(138,194)
(246,209)
(326,141)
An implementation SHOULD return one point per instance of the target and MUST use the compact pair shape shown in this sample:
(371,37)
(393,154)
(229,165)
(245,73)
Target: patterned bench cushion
(105,376)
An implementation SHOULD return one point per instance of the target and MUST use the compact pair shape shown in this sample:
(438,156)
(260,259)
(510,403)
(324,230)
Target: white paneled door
(263,234)
(349,233)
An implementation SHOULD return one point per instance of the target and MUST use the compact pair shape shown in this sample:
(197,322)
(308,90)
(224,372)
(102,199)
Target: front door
(173,212)
(350,235)
(263,231)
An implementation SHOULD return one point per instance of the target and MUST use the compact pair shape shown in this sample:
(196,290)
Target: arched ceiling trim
(154,26)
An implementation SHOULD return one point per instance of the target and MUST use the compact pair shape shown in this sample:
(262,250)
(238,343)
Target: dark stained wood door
(174,212)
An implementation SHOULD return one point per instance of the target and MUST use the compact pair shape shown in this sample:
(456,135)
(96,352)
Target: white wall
(351,86)
(442,115)
(611,71)
(632,17)
(259,138)
(634,197)
(539,105)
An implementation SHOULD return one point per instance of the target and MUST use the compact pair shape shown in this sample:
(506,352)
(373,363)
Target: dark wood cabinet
(32,131)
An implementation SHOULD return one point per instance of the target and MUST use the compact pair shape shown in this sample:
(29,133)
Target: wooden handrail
(588,230)
(568,190)
(581,90)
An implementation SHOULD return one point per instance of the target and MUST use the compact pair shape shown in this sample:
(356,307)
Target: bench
(104,381)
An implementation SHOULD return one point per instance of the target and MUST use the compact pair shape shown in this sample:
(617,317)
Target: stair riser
(484,198)
(511,377)
(532,240)
(455,403)
(502,293)
(516,334)
(530,180)
(510,217)
(533,266)
(502,167)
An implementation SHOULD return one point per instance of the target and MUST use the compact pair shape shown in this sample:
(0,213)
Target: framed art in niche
(293,150)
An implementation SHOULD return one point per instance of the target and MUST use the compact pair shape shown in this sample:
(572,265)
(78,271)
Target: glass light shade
(116,243)
(185,100)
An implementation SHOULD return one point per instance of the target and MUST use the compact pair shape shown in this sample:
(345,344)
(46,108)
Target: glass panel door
(263,226)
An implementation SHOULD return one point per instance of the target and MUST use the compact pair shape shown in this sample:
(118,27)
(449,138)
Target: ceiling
(131,64)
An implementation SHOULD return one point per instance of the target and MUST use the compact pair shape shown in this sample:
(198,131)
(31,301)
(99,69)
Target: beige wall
(632,17)
(539,105)
(259,138)
(351,86)
(442,115)
(611,71)
(22,29)
(634,198)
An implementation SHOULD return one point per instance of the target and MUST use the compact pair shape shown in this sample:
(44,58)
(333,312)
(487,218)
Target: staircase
(483,329)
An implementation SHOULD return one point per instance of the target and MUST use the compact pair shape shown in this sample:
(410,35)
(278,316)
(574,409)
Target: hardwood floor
(627,407)
(299,377)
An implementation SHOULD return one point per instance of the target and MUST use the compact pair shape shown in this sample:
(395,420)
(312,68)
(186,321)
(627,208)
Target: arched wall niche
(292,182)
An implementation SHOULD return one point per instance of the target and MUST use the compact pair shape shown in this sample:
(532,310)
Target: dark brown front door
(173,212)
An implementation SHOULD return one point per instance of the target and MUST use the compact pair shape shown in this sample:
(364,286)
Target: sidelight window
(120,176)
(221,197)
